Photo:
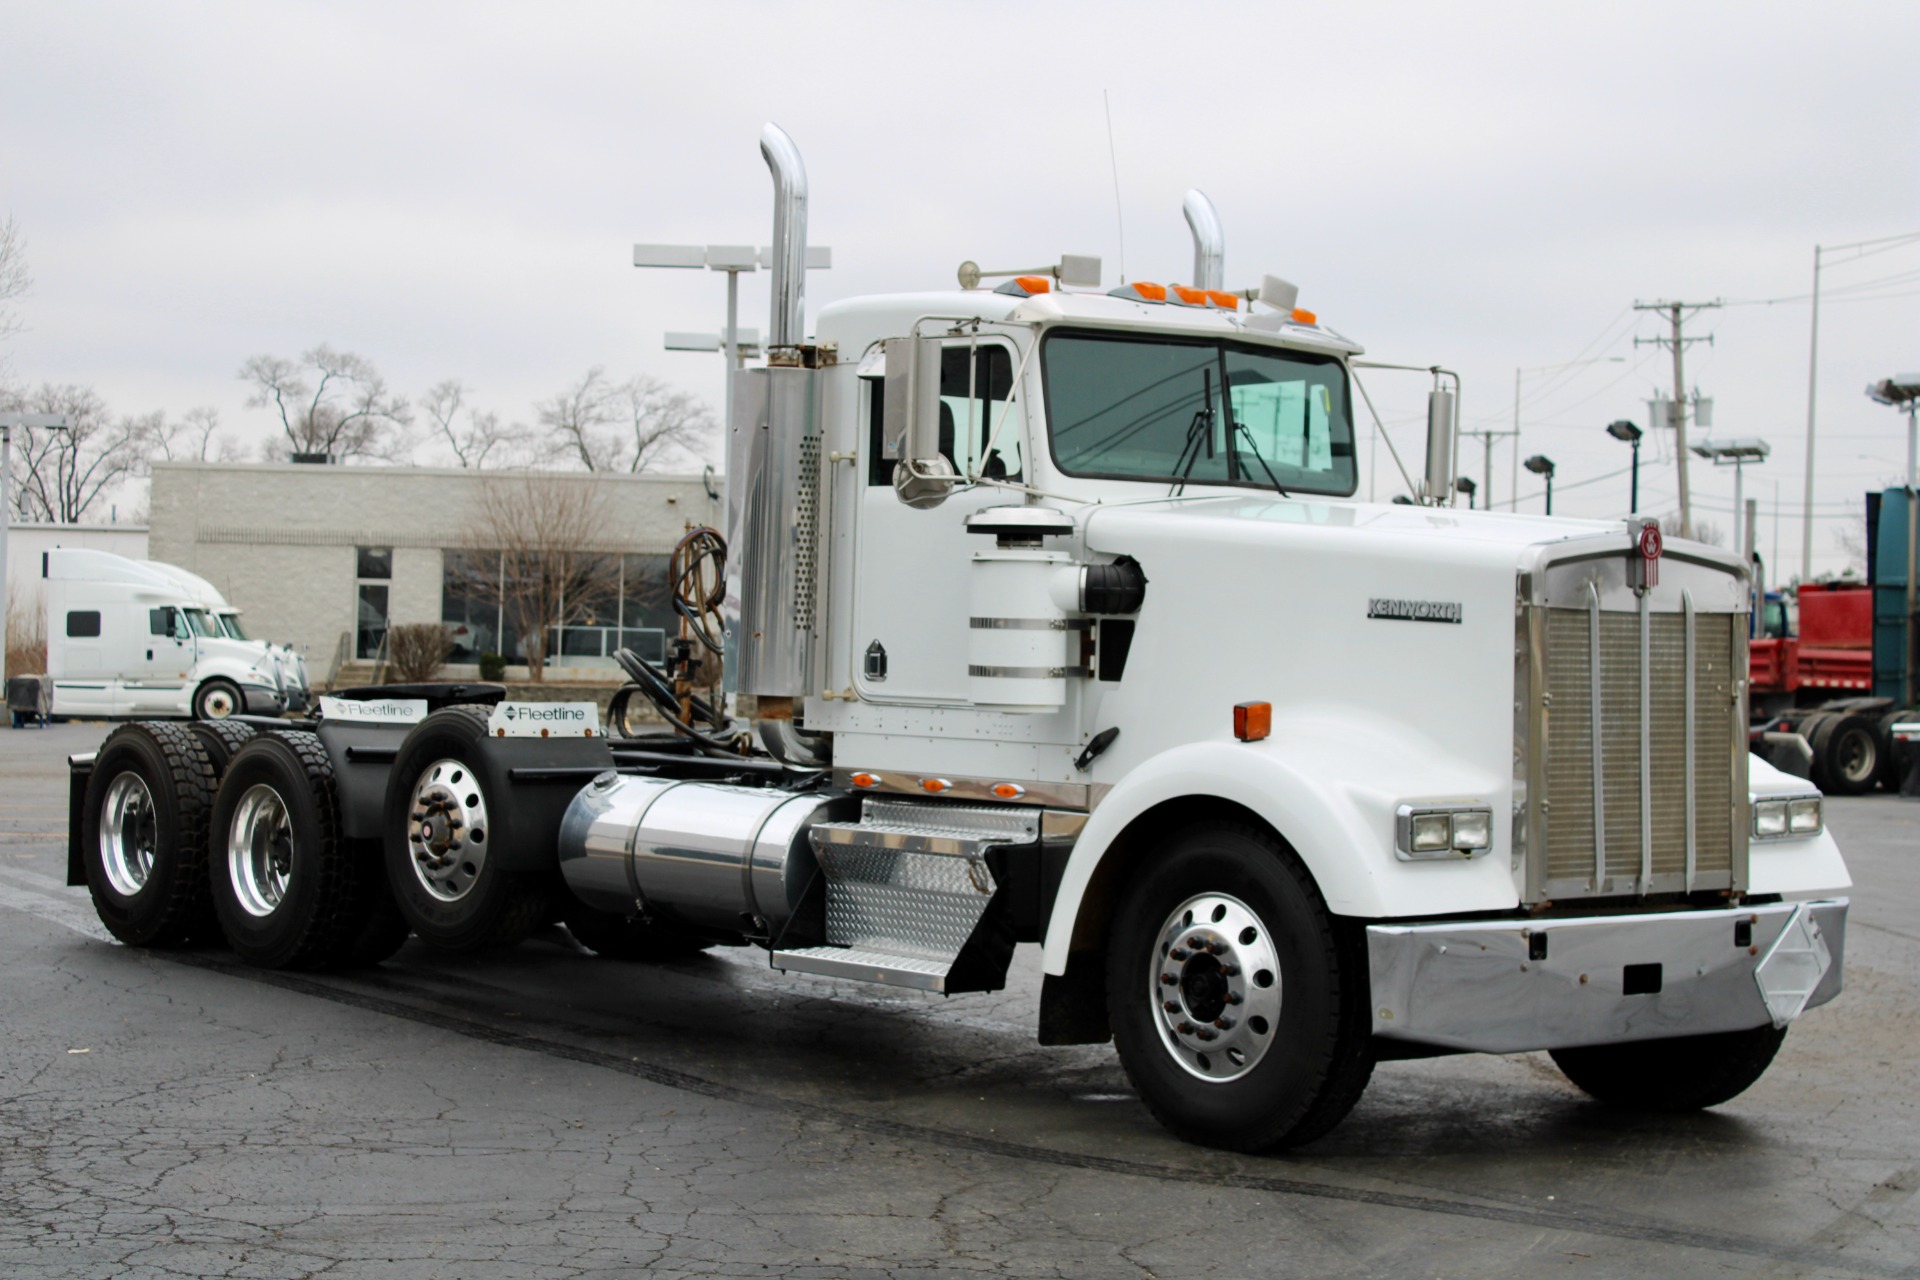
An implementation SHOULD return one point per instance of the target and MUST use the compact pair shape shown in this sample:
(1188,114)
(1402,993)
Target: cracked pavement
(542,1113)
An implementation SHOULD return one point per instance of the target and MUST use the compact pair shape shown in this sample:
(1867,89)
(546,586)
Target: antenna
(1114,157)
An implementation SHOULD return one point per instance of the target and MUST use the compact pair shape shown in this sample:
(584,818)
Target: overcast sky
(454,190)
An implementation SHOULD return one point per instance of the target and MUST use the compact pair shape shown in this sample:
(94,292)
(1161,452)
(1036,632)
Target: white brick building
(313,554)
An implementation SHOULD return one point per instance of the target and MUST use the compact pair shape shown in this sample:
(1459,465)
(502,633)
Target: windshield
(198,623)
(230,623)
(1150,407)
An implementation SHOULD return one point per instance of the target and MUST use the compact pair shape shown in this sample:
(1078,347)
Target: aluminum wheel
(447,829)
(127,834)
(1215,983)
(260,851)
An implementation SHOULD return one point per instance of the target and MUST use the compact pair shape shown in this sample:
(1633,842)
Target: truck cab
(129,638)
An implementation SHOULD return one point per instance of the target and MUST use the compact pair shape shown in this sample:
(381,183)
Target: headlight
(1442,831)
(1790,817)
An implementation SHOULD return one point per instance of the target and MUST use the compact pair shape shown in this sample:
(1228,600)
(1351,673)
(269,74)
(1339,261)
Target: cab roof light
(1140,291)
(1026,286)
(1185,297)
(1252,721)
(1223,300)
(1302,316)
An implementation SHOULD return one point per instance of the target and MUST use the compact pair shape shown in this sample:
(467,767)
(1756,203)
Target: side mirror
(910,425)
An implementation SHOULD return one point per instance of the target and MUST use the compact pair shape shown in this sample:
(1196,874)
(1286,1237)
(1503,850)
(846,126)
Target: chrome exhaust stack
(786,327)
(1209,242)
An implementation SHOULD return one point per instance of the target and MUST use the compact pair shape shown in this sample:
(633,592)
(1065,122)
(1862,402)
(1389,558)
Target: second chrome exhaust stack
(1209,242)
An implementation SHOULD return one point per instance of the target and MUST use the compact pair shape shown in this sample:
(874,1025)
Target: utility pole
(1677,313)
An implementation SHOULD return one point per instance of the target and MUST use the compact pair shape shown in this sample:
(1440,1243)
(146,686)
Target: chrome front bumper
(1512,986)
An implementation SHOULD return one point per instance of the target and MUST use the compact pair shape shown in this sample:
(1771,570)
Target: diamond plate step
(861,965)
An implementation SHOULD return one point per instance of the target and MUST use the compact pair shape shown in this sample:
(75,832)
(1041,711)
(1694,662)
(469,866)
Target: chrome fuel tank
(712,855)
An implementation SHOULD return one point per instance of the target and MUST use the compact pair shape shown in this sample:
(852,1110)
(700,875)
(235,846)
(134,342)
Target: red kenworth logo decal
(1650,542)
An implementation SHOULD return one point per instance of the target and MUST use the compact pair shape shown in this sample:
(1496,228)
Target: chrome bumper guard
(1513,986)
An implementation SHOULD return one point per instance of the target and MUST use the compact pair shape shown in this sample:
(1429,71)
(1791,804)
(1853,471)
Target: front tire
(442,859)
(143,834)
(217,699)
(1237,1001)
(1686,1073)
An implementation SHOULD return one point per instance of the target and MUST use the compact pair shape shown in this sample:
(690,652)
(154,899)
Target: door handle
(149,655)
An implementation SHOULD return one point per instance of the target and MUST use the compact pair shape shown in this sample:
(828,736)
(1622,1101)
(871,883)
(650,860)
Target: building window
(630,608)
(373,572)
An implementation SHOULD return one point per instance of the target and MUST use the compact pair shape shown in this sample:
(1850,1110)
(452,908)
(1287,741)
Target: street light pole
(1621,429)
(1513,489)
(1541,465)
(732,259)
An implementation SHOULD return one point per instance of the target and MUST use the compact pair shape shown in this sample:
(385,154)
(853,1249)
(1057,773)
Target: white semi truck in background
(1050,618)
(141,638)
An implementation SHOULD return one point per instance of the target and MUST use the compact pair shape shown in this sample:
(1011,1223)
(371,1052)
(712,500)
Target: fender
(1330,788)
(1791,868)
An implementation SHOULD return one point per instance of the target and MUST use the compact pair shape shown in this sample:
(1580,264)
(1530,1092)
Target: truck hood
(1392,531)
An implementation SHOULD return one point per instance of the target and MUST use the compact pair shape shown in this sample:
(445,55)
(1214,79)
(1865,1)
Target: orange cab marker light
(1191,297)
(866,779)
(1140,291)
(935,786)
(1223,300)
(1302,316)
(1026,286)
(1009,790)
(1252,721)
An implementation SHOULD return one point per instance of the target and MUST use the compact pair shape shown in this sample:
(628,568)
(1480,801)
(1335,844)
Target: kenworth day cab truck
(1056,622)
(141,638)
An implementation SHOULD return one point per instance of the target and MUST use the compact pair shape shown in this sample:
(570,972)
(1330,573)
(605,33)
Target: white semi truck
(1057,623)
(141,638)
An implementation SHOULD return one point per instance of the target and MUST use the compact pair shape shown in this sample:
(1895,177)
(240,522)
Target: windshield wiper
(1254,449)
(1199,432)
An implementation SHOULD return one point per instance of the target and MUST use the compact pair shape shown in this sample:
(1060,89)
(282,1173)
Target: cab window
(976,383)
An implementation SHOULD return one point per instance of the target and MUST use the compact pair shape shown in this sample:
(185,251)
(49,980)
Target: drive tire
(222,739)
(469,902)
(146,859)
(1301,1074)
(286,886)
(1847,754)
(617,937)
(217,699)
(1687,1073)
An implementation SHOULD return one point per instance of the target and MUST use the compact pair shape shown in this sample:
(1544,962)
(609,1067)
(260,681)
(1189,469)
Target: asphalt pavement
(544,1113)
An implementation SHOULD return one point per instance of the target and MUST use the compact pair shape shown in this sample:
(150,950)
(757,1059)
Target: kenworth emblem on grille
(1643,561)
(1414,610)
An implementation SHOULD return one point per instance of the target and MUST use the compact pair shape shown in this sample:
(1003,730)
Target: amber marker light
(934,786)
(1224,300)
(1303,316)
(865,779)
(1034,284)
(1140,291)
(1252,721)
(1192,297)
(1009,790)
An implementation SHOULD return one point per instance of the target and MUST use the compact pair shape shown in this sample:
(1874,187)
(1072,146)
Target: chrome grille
(1664,781)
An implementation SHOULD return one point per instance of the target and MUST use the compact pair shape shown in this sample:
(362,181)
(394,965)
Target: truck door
(77,656)
(158,649)
(911,588)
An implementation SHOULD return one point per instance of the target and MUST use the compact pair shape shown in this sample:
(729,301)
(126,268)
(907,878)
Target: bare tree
(59,475)
(545,531)
(631,426)
(417,650)
(480,437)
(190,438)
(346,412)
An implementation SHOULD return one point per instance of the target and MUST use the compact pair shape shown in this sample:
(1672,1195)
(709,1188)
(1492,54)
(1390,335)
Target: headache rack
(1630,728)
